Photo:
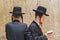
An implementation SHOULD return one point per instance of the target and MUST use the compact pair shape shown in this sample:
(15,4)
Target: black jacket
(36,32)
(15,30)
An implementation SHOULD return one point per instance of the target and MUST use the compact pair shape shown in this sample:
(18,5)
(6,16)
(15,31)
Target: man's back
(15,30)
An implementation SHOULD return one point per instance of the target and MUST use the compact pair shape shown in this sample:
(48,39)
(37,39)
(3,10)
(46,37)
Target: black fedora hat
(41,10)
(17,11)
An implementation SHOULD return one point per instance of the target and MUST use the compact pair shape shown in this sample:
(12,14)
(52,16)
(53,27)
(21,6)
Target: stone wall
(51,23)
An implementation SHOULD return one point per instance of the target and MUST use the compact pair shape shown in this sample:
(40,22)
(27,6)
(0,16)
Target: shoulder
(33,25)
(8,23)
(7,26)
(23,24)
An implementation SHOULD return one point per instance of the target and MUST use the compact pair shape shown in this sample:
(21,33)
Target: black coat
(36,32)
(15,30)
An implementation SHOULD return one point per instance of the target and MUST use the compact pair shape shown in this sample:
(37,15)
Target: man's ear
(20,17)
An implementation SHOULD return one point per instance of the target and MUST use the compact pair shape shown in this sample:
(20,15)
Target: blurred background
(51,23)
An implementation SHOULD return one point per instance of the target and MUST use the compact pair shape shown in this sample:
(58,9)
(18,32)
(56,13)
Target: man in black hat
(15,30)
(35,26)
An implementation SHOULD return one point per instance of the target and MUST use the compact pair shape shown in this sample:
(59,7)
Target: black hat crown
(17,10)
(41,10)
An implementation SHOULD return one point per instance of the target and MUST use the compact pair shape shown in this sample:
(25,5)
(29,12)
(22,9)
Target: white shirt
(37,23)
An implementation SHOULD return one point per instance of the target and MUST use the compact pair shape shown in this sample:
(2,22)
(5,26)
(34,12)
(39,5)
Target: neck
(39,21)
(16,19)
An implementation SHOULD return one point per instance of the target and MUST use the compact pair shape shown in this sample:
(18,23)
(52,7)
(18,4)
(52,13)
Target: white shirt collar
(37,22)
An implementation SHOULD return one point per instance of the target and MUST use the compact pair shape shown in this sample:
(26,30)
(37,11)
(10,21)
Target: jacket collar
(16,21)
(36,24)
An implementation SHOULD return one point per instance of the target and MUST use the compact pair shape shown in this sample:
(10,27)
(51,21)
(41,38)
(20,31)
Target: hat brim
(16,12)
(40,12)
(46,14)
